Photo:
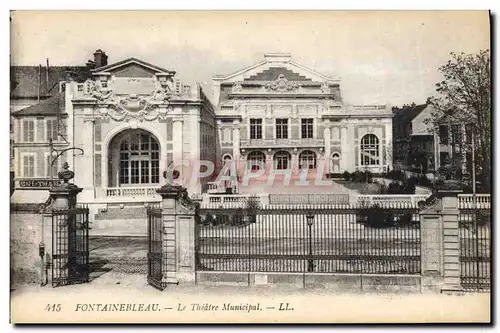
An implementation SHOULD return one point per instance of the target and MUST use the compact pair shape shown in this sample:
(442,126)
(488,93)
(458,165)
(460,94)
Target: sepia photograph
(250,166)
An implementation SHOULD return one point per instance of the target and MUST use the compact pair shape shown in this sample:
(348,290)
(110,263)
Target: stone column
(178,241)
(177,144)
(346,150)
(328,150)
(236,151)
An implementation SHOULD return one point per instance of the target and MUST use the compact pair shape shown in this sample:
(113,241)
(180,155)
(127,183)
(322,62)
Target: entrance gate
(155,240)
(70,246)
(475,249)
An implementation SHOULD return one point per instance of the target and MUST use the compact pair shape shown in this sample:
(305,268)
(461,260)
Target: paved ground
(117,254)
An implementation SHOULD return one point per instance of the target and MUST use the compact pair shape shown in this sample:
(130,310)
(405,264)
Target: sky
(380,56)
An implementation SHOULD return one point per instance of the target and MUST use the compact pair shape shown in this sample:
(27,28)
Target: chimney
(100,58)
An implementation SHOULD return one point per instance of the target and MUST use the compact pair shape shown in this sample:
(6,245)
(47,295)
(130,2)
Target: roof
(48,107)
(24,79)
(408,112)
(128,61)
(275,60)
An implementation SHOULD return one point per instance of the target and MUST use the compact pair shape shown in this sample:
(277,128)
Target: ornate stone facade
(280,108)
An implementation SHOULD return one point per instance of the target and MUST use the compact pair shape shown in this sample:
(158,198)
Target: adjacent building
(132,119)
(424,147)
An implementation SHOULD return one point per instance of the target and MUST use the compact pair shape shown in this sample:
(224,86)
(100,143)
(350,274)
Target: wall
(25,236)
(334,282)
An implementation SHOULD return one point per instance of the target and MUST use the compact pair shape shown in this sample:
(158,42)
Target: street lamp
(55,154)
(310,222)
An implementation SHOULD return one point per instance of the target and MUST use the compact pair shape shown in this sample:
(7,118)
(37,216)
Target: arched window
(257,159)
(282,160)
(139,159)
(307,160)
(370,150)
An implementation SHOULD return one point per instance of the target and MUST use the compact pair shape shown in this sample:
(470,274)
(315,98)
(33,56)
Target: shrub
(346,175)
(356,176)
(252,205)
(376,217)
(395,188)
(367,176)
(396,175)
(410,186)
(238,217)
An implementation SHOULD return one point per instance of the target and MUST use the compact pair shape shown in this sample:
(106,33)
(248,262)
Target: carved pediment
(281,84)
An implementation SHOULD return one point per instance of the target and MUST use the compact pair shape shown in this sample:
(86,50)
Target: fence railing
(466,201)
(131,191)
(391,200)
(279,200)
(475,249)
(300,239)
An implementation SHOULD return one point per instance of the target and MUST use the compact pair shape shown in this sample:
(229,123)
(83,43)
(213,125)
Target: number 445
(53,307)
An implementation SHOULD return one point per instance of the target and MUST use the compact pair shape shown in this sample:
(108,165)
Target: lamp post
(310,221)
(55,154)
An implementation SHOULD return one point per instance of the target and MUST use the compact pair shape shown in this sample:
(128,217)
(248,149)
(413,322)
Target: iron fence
(70,246)
(305,239)
(475,249)
(155,247)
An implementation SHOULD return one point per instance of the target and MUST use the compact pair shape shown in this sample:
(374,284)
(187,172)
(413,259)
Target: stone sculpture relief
(129,107)
(237,87)
(282,85)
(325,89)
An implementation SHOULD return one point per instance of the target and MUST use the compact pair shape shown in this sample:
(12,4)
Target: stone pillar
(328,150)
(431,253)
(440,242)
(177,144)
(178,241)
(236,152)
(451,238)
(346,151)
(63,197)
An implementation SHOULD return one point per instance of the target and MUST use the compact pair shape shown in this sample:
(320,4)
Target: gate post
(178,241)
(440,243)
(63,197)
(448,193)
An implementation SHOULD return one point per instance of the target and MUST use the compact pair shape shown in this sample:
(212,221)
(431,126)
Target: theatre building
(287,116)
(132,119)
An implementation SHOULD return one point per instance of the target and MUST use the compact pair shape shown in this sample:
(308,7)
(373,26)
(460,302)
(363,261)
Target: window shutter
(40,126)
(25,166)
(26,131)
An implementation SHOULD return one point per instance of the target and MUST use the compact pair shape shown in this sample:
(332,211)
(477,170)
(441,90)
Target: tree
(464,97)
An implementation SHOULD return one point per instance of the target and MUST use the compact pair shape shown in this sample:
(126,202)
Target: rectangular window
(255,128)
(124,168)
(144,172)
(29,166)
(134,172)
(52,130)
(443,135)
(48,167)
(281,128)
(28,131)
(307,128)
